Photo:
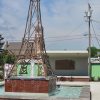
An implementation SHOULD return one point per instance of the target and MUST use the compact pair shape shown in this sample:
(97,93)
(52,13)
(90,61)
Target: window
(65,64)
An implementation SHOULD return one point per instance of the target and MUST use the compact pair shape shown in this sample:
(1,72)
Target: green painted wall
(96,71)
(28,70)
(37,70)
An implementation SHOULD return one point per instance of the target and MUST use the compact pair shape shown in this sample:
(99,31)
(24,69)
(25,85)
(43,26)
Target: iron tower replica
(39,78)
(33,46)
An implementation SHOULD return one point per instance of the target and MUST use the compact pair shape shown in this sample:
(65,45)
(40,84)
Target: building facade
(69,63)
(63,63)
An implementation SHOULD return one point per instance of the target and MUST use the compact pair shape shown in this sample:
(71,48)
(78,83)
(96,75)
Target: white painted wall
(81,66)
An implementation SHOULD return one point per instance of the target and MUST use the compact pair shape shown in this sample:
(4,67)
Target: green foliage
(1,42)
(1,60)
(5,57)
(94,51)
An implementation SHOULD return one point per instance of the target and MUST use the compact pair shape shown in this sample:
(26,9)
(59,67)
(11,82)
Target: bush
(5,57)
(98,78)
(92,79)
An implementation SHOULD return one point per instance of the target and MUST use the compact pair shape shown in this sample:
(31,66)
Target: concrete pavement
(95,90)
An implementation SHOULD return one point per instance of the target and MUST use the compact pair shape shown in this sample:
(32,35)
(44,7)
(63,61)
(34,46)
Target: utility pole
(89,15)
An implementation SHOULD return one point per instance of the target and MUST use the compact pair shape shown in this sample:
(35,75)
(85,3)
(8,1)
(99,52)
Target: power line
(62,37)
(96,21)
(95,34)
(66,39)
(68,33)
(91,2)
(65,36)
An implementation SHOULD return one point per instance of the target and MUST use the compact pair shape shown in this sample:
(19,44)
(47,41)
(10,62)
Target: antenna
(89,15)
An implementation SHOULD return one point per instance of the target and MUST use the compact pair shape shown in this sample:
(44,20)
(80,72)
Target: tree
(5,57)
(1,58)
(94,51)
(1,43)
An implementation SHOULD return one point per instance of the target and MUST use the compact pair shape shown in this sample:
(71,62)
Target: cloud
(13,18)
(60,18)
(66,17)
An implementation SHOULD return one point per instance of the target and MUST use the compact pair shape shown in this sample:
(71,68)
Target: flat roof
(67,53)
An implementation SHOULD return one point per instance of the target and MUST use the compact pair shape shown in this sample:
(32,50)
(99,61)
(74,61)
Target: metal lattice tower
(33,46)
(33,39)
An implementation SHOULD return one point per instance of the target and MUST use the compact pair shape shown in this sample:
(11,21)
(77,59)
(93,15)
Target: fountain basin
(30,85)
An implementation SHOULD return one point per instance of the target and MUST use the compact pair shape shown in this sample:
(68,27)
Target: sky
(64,22)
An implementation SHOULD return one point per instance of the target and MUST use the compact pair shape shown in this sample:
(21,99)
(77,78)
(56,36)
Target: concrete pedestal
(30,85)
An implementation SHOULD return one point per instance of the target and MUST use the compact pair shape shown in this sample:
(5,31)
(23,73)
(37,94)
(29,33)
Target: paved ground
(95,90)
